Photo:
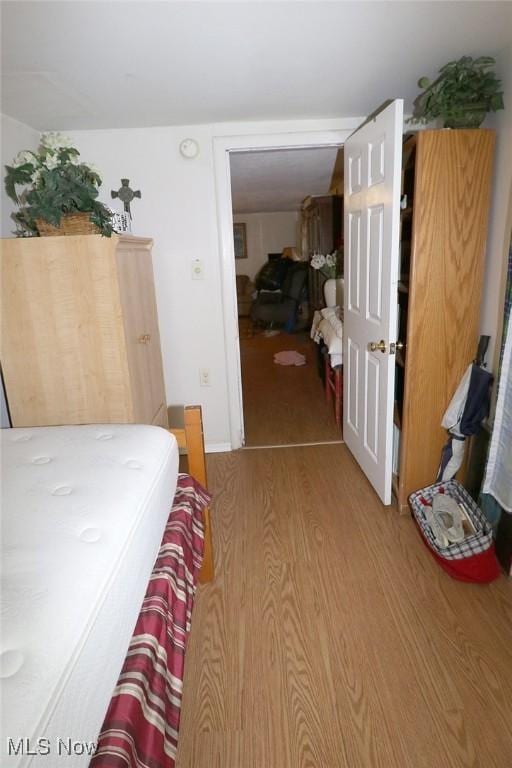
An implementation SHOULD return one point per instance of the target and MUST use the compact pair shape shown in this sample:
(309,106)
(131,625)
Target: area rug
(289,357)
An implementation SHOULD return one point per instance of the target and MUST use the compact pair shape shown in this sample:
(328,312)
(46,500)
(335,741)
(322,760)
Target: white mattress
(83,514)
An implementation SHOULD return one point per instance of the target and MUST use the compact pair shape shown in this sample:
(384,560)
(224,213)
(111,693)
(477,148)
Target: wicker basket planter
(70,224)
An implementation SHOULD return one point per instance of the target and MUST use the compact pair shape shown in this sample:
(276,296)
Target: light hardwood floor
(330,638)
(283,404)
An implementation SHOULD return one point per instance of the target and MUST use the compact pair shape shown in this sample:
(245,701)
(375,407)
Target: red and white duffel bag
(472,559)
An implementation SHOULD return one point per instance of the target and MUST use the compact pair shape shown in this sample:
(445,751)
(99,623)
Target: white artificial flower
(330,259)
(55,141)
(22,158)
(51,161)
(36,176)
(318,261)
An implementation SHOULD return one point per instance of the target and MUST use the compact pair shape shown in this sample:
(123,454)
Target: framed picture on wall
(240,240)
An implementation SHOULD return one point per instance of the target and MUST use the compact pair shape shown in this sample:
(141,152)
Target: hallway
(283,405)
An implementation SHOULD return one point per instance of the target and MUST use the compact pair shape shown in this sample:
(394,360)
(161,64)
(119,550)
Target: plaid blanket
(141,726)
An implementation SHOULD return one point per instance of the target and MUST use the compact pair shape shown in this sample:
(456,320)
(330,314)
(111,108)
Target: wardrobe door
(63,354)
(135,275)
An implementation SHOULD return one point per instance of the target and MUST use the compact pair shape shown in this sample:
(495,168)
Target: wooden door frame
(223,146)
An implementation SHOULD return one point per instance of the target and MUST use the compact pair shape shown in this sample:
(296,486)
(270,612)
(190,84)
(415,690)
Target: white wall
(178,210)
(500,217)
(266,233)
(15,137)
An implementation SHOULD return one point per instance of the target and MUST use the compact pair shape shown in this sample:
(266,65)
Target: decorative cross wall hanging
(126,194)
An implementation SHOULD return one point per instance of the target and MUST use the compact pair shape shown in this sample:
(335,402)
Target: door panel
(354,175)
(376,161)
(352,379)
(372,212)
(374,267)
(353,265)
(371,427)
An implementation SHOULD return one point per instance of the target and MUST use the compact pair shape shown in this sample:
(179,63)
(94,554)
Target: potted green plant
(59,192)
(462,95)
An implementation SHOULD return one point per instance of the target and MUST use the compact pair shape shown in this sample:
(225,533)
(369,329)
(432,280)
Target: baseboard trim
(292,445)
(217,448)
(227,448)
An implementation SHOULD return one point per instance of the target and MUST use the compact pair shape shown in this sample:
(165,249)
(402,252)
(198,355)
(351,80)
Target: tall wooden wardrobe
(446,179)
(80,339)
(322,232)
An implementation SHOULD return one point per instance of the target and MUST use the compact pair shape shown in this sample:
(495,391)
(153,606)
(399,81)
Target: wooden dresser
(322,232)
(80,340)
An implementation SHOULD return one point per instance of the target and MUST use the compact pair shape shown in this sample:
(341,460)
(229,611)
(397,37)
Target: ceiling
(278,180)
(70,65)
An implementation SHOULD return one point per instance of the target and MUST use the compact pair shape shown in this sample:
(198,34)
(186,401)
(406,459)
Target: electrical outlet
(197,269)
(204,377)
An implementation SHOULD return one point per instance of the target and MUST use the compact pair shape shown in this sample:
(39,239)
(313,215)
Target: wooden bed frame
(190,438)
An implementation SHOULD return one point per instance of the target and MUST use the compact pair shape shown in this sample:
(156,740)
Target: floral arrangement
(326,265)
(55,182)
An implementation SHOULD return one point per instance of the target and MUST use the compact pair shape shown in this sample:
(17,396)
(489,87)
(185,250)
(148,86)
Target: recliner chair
(280,307)
(244,292)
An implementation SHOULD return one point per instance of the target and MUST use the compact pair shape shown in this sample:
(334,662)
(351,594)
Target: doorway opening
(373,154)
(325,133)
(286,207)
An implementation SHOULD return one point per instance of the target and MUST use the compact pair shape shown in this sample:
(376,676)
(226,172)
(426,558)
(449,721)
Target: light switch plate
(204,377)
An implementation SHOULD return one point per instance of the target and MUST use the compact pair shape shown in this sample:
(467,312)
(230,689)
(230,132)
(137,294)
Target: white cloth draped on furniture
(328,327)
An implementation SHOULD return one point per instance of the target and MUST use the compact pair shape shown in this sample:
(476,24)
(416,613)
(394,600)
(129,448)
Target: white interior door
(372,160)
